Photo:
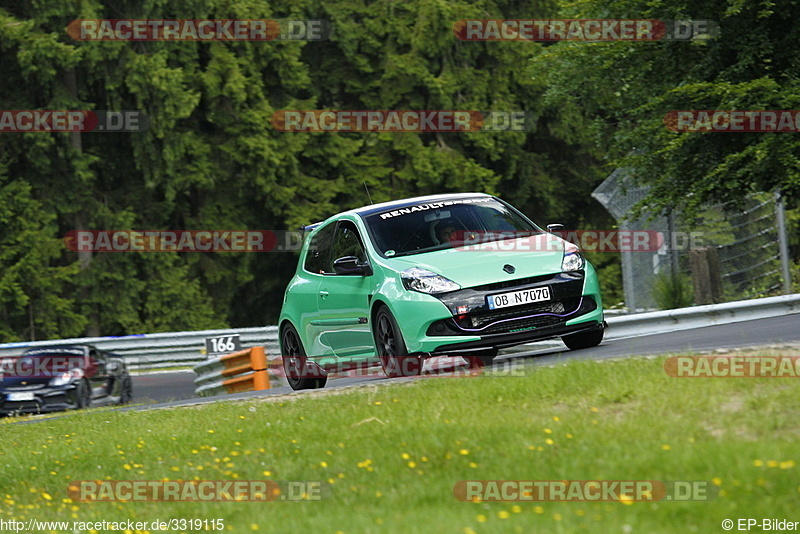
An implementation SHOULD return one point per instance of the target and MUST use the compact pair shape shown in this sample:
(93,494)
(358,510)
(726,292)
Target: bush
(673,290)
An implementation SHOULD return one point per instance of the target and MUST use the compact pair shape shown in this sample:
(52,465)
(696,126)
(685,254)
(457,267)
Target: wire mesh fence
(726,252)
(746,238)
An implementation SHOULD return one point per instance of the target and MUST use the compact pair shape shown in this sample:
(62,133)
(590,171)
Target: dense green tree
(211,159)
(32,283)
(617,95)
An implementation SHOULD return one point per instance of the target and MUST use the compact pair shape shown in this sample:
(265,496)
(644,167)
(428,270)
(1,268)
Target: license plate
(518,298)
(18,397)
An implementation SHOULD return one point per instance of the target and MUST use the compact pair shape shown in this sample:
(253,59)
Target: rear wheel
(295,362)
(390,347)
(583,340)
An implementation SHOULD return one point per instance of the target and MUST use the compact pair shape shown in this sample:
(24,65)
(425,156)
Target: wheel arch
(373,312)
(281,327)
(377,303)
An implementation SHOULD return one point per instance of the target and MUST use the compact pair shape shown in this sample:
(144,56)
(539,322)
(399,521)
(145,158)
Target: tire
(295,362)
(126,389)
(390,347)
(83,395)
(583,340)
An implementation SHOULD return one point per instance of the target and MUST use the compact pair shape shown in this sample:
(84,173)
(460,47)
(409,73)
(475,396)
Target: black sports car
(54,379)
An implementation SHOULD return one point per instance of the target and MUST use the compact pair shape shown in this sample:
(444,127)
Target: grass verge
(389,457)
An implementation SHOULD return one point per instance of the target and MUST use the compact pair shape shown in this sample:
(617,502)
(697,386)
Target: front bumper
(516,338)
(44,400)
(575,306)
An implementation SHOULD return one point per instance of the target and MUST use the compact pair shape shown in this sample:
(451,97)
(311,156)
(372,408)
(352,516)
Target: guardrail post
(783,244)
(706,274)
(245,370)
(258,361)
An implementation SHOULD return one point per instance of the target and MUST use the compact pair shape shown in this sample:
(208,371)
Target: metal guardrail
(159,351)
(185,349)
(245,370)
(698,316)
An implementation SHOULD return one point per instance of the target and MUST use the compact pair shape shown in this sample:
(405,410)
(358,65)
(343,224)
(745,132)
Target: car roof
(57,348)
(402,203)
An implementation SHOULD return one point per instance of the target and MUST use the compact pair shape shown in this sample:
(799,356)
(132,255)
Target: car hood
(480,264)
(17,381)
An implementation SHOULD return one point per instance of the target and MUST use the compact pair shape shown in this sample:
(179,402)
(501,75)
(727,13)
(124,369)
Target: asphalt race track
(168,387)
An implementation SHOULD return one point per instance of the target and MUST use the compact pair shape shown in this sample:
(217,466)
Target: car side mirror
(114,368)
(553,228)
(351,265)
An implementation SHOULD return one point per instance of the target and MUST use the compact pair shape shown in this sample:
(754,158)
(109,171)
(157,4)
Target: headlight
(425,281)
(573,259)
(66,378)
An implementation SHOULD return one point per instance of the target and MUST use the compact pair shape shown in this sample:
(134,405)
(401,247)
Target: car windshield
(430,226)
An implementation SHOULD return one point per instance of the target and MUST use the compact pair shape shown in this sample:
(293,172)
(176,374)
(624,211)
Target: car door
(305,291)
(97,373)
(343,299)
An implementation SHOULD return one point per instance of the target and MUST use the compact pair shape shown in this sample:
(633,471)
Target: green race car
(457,274)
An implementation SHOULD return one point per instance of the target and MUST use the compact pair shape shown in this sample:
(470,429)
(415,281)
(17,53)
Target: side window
(318,250)
(346,242)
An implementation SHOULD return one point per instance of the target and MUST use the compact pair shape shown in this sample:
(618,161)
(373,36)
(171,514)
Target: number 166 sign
(223,344)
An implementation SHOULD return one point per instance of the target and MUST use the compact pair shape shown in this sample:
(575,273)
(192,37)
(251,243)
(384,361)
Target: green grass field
(389,457)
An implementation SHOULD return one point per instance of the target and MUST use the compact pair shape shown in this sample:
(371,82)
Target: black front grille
(522,324)
(513,319)
(26,406)
(482,318)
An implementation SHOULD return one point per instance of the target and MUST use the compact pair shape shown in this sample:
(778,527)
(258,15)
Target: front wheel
(83,394)
(583,340)
(390,347)
(295,362)
(126,389)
